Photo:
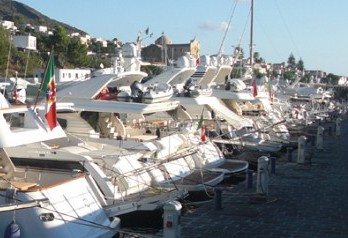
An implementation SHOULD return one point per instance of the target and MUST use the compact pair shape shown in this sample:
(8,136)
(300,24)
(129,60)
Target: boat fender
(12,231)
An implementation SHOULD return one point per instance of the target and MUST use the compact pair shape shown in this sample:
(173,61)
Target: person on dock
(158,133)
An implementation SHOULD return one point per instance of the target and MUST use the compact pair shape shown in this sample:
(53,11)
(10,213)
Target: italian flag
(49,86)
(202,127)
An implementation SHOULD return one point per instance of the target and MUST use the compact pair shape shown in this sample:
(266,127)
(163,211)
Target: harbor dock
(303,200)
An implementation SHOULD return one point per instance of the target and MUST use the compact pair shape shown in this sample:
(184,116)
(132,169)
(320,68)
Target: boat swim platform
(303,200)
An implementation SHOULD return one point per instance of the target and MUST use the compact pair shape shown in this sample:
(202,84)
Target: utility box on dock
(320,135)
(338,126)
(301,152)
(262,175)
(171,220)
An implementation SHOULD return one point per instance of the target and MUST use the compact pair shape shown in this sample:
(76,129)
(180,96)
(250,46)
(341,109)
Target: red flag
(254,88)
(203,135)
(49,86)
(197,61)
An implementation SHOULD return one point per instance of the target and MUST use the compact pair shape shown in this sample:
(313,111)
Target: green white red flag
(253,84)
(202,127)
(203,134)
(49,86)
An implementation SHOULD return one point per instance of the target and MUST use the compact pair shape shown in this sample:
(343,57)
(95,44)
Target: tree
(292,62)
(77,53)
(257,58)
(332,78)
(289,75)
(300,65)
(60,42)
(4,48)
(43,43)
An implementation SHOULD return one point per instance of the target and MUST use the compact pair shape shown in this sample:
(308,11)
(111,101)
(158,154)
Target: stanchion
(249,178)
(289,153)
(273,165)
(218,198)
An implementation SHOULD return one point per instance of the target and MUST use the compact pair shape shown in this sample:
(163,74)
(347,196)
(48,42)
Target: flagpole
(42,80)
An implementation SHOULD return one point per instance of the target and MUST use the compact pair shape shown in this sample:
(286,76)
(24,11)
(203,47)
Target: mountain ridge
(22,14)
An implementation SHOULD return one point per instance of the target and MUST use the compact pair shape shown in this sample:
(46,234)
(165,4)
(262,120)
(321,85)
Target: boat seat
(23,185)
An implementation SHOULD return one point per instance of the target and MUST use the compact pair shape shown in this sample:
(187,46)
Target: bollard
(262,175)
(171,219)
(330,131)
(218,198)
(249,178)
(273,164)
(320,133)
(319,122)
(289,153)
(301,152)
(338,126)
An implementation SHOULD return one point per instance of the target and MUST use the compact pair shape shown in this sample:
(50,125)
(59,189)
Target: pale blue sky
(314,30)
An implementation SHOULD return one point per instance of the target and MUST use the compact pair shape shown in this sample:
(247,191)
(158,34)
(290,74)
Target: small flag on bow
(49,86)
(202,127)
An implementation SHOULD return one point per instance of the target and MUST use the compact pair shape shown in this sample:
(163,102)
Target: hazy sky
(314,30)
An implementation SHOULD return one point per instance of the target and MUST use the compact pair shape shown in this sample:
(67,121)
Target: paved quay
(303,200)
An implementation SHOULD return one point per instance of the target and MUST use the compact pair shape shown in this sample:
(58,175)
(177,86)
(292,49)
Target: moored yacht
(43,200)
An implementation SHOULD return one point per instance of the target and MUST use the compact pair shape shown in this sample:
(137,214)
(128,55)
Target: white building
(66,75)
(25,42)
(40,29)
(102,41)
(8,25)
(85,39)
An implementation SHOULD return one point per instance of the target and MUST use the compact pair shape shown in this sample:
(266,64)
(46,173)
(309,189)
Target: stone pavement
(303,200)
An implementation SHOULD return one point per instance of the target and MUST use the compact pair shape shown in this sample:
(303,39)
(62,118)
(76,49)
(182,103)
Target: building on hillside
(261,68)
(8,25)
(40,29)
(103,42)
(278,68)
(24,42)
(316,73)
(85,40)
(343,81)
(65,75)
(163,49)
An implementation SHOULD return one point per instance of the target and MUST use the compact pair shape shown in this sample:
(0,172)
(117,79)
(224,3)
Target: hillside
(22,14)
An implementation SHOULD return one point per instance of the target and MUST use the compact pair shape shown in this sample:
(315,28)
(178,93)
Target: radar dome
(182,62)
(129,50)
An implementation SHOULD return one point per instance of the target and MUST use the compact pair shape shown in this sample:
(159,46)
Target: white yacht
(43,199)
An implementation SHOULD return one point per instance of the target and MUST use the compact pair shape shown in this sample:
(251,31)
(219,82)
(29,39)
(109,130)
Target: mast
(251,32)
